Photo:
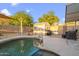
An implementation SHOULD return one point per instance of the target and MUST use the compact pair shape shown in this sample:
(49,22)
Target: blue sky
(35,9)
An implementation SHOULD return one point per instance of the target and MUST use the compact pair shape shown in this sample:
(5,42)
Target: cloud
(62,20)
(28,11)
(6,12)
(14,4)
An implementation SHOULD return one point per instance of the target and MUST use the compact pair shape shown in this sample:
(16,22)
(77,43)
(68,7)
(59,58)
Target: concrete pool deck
(8,38)
(60,46)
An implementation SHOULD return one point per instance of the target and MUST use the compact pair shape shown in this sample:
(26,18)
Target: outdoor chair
(72,35)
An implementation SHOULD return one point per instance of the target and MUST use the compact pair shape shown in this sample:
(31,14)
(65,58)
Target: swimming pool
(18,47)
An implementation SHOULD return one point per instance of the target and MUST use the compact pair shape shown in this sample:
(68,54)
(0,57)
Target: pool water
(41,52)
(18,47)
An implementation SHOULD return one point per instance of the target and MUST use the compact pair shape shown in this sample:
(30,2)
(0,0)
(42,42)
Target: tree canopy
(22,16)
(49,17)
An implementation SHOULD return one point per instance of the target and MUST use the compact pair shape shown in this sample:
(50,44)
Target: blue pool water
(18,47)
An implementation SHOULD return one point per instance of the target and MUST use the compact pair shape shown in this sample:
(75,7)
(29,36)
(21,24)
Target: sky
(35,9)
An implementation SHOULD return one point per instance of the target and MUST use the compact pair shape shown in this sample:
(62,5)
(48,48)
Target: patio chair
(72,35)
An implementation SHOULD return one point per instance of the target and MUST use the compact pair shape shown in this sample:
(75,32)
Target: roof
(69,3)
(4,16)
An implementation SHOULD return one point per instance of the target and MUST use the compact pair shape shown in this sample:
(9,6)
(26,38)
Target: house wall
(40,28)
(54,29)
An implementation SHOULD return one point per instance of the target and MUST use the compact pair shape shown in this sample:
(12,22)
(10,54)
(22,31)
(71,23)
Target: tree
(49,17)
(21,16)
